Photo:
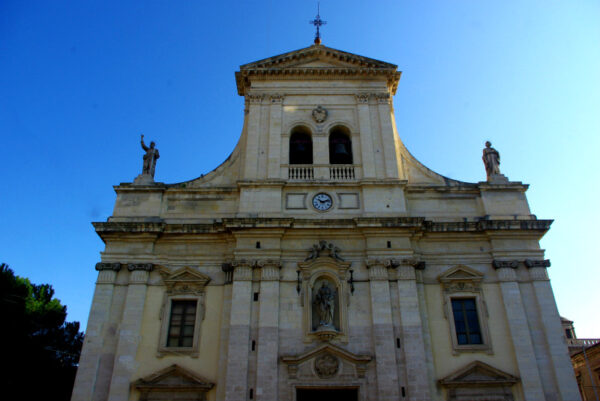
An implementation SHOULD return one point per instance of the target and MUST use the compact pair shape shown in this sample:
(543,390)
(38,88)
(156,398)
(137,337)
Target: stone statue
(491,160)
(325,305)
(149,158)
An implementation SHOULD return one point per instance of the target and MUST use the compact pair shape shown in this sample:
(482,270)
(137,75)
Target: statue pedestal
(326,333)
(143,179)
(497,179)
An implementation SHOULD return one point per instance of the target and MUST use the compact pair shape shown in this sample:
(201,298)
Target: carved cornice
(108,230)
(537,263)
(505,264)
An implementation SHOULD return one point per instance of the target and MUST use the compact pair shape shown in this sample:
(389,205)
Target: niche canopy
(317,62)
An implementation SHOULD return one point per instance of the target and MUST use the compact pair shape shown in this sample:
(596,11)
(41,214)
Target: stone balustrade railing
(333,172)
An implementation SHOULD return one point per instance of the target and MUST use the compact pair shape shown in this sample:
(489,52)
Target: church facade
(321,260)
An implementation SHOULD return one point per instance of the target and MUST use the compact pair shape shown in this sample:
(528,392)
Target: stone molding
(106,230)
(490,382)
(184,281)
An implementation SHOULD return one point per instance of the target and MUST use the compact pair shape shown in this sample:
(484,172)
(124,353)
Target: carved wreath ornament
(326,366)
(319,114)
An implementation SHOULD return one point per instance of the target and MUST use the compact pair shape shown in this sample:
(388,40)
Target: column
(563,369)
(366,140)
(274,152)
(519,330)
(91,354)
(413,346)
(129,331)
(239,333)
(268,332)
(383,332)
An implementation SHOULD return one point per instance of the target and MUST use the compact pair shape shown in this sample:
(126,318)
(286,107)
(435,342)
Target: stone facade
(398,247)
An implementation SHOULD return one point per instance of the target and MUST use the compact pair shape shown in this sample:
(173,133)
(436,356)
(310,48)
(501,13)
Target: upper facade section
(316,62)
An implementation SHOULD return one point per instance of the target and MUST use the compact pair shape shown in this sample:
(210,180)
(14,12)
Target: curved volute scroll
(323,281)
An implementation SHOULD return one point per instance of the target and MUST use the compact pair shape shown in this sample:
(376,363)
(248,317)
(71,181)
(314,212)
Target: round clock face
(322,202)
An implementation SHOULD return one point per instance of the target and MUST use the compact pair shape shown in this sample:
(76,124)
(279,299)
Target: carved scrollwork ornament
(319,114)
(537,263)
(140,266)
(325,248)
(503,264)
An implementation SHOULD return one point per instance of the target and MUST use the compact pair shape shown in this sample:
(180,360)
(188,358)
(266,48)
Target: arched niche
(300,147)
(323,283)
(340,145)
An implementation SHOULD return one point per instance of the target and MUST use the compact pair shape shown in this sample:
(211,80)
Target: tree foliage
(41,349)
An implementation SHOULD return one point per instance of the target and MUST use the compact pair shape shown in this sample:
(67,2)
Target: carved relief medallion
(319,114)
(326,366)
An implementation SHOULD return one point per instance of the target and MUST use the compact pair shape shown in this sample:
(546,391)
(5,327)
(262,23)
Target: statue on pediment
(491,160)
(150,158)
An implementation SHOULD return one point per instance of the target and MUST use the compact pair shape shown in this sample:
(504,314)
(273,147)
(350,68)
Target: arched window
(340,146)
(301,151)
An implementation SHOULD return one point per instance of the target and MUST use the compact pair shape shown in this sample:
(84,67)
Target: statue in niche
(491,160)
(324,303)
(149,158)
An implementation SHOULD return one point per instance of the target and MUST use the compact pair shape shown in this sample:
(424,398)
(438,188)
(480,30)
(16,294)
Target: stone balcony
(577,344)
(322,172)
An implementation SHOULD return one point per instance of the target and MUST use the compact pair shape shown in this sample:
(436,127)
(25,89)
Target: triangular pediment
(318,53)
(478,373)
(173,378)
(460,273)
(316,60)
(184,278)
(327,349)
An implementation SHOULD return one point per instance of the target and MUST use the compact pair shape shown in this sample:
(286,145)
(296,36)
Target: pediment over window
(478,374)
(162,384)
(325,361)
(460,272)
(184,280)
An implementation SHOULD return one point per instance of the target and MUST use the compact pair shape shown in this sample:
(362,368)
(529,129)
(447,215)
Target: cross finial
(318,22)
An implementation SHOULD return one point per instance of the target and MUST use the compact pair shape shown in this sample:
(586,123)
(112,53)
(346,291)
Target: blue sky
(80,80)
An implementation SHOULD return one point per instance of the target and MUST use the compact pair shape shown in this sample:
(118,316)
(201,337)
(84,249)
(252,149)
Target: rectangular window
(466,321)
(181,324)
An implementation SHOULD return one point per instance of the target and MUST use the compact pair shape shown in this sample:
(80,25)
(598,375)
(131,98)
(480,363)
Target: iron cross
(318,22)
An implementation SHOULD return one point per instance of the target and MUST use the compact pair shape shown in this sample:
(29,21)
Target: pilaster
(412,331)
(129,331)
(274,152)
(387,135)
(366,135)
(91,354)
(268,332)
(236,383)
(519,330)
(383,331)
(563,370)
(252,136)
